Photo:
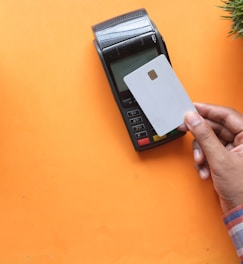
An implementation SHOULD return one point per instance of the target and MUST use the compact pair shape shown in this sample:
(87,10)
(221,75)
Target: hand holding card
(160,94)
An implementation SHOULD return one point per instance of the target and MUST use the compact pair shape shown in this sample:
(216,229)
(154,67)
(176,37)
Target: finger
(238,139)
(221,131)
(223,134)
(182,128)
(203,171)
(200,161)
(227,117)
(229,146)
(199,157)
(206,138)
(238,150)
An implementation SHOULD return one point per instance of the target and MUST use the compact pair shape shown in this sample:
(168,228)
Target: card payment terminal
(125,43)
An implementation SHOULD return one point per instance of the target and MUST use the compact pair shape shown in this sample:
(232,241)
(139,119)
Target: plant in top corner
(234,8)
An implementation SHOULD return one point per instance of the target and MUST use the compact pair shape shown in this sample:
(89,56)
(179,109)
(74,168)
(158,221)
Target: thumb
(205,136)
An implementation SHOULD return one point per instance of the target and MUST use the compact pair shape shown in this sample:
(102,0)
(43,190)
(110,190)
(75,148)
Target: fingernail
(192,119)
(204,173)
(196,154)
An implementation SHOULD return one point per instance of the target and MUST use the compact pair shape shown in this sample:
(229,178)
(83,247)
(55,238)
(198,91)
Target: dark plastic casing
(134,38)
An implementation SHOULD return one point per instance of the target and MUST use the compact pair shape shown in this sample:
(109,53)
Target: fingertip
(198,104)
(182,128)
(192,119)
(197,155)
(204,173)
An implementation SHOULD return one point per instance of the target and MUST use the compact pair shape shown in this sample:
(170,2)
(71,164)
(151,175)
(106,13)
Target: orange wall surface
(72,188)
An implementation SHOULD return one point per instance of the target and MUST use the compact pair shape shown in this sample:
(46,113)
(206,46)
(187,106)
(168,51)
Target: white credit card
(160,94)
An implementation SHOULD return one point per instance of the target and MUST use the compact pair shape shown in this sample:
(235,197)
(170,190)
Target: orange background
(72,189)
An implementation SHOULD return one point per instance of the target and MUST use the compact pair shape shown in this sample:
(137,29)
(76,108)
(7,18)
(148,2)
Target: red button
(143,141)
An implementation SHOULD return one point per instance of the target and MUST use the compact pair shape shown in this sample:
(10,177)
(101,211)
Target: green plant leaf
(234,8)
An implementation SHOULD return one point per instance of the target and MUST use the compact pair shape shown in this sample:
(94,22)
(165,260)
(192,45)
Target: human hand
(218,150)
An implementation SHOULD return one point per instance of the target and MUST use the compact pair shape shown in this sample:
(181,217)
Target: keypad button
(158,138)
(132,113)
(141,134)
(135,120)
(143,142)
(138,127)
(173,132)
(128,102)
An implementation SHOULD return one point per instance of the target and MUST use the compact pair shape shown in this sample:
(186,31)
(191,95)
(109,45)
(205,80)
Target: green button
(175,131)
